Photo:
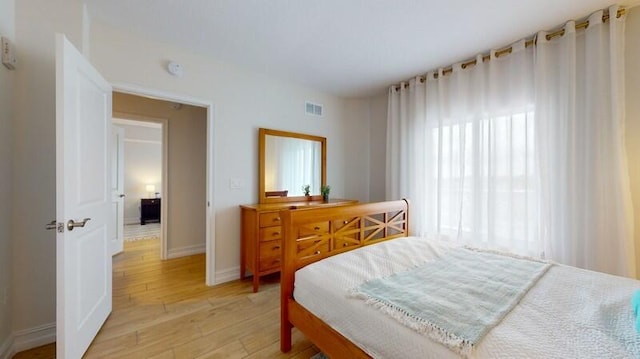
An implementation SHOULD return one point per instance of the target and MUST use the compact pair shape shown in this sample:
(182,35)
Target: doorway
(143,177)
(185,216)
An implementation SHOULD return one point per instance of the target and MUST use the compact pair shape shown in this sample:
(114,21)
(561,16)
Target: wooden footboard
(311,235)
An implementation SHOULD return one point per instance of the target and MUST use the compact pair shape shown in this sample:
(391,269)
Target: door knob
(73,224)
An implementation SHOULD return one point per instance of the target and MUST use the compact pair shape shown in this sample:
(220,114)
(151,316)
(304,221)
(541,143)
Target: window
(483,170)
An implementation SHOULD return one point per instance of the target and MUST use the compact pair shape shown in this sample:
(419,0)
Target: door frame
(210,166)
(164,170)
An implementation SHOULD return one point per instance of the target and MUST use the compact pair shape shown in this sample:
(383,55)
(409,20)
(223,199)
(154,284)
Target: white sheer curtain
(524,152)
(462,149)
(586,206)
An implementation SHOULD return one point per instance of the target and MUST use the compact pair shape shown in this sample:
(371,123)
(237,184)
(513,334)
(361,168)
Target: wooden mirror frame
(263,132)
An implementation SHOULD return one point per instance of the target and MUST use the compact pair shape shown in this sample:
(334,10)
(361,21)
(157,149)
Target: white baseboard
(6,348)
(34,337)
(186,251)
(227,275)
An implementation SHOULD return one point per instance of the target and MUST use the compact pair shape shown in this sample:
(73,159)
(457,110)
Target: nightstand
(149,210)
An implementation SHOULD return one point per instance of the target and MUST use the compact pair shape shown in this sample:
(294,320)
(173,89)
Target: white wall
(34,248)
(187,153)
(243,101)
(366,158)
(7,80)
(378,147)
(142,166)
(357,153)
(632,137)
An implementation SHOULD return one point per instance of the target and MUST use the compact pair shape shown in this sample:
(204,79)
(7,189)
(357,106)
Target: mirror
(289,161)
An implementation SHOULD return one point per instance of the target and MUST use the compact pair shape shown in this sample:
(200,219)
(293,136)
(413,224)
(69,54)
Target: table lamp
(151,189)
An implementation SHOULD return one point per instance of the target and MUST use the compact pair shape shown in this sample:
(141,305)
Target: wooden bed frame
(313,234)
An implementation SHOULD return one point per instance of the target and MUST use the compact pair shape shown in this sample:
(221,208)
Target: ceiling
(350,48)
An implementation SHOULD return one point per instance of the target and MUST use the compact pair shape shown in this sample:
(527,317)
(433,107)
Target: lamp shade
(150,188)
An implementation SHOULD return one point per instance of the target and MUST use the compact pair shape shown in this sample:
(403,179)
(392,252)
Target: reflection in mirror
(287,162)
(291,163)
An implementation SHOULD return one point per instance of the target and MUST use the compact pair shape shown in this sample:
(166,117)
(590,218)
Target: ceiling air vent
(313,109)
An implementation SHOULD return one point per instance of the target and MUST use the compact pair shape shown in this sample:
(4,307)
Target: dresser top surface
(297,205)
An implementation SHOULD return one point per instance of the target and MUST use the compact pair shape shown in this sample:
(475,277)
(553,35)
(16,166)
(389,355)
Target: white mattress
(569,313)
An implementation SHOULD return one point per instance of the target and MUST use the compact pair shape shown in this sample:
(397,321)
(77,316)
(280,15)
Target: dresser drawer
(313,246)
(313,229)
(270,249)
(270,233)
(269,219)
(150,201)
(346,224)
(269,263)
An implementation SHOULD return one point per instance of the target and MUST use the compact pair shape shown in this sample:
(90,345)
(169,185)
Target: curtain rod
(528,43)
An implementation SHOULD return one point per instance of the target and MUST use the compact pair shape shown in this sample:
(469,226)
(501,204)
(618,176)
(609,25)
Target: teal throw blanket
(455,299)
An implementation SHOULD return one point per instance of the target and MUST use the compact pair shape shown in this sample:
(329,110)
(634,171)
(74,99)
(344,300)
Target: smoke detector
(175,68)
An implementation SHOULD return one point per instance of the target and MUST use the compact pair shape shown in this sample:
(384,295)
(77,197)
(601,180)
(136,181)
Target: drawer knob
(317,252)
(344,244)
(345,222)
(316,228)
(276,247)
(317,241)
(275,234)
(277,219)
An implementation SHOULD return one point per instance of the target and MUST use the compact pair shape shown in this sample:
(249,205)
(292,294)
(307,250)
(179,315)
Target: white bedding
(569,313)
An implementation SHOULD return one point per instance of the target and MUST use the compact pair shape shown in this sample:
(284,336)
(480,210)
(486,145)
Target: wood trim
(323,336)
(262,132)
(261,164)
(394,224)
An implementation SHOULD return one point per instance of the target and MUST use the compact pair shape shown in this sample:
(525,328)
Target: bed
(566,313)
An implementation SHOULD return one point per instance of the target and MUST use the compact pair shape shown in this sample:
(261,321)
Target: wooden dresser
(261,233)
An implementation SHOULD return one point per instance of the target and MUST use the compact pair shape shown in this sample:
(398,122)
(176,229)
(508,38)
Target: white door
(83,262)
(117,188)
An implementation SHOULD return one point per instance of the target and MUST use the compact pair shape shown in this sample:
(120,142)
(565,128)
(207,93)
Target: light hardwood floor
(162,309)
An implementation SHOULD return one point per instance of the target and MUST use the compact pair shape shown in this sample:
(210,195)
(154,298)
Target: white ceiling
(351,48)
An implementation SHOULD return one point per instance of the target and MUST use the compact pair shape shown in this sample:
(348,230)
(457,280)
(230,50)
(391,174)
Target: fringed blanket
(457,298)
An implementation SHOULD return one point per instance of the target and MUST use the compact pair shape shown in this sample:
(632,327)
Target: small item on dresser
(324,191)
